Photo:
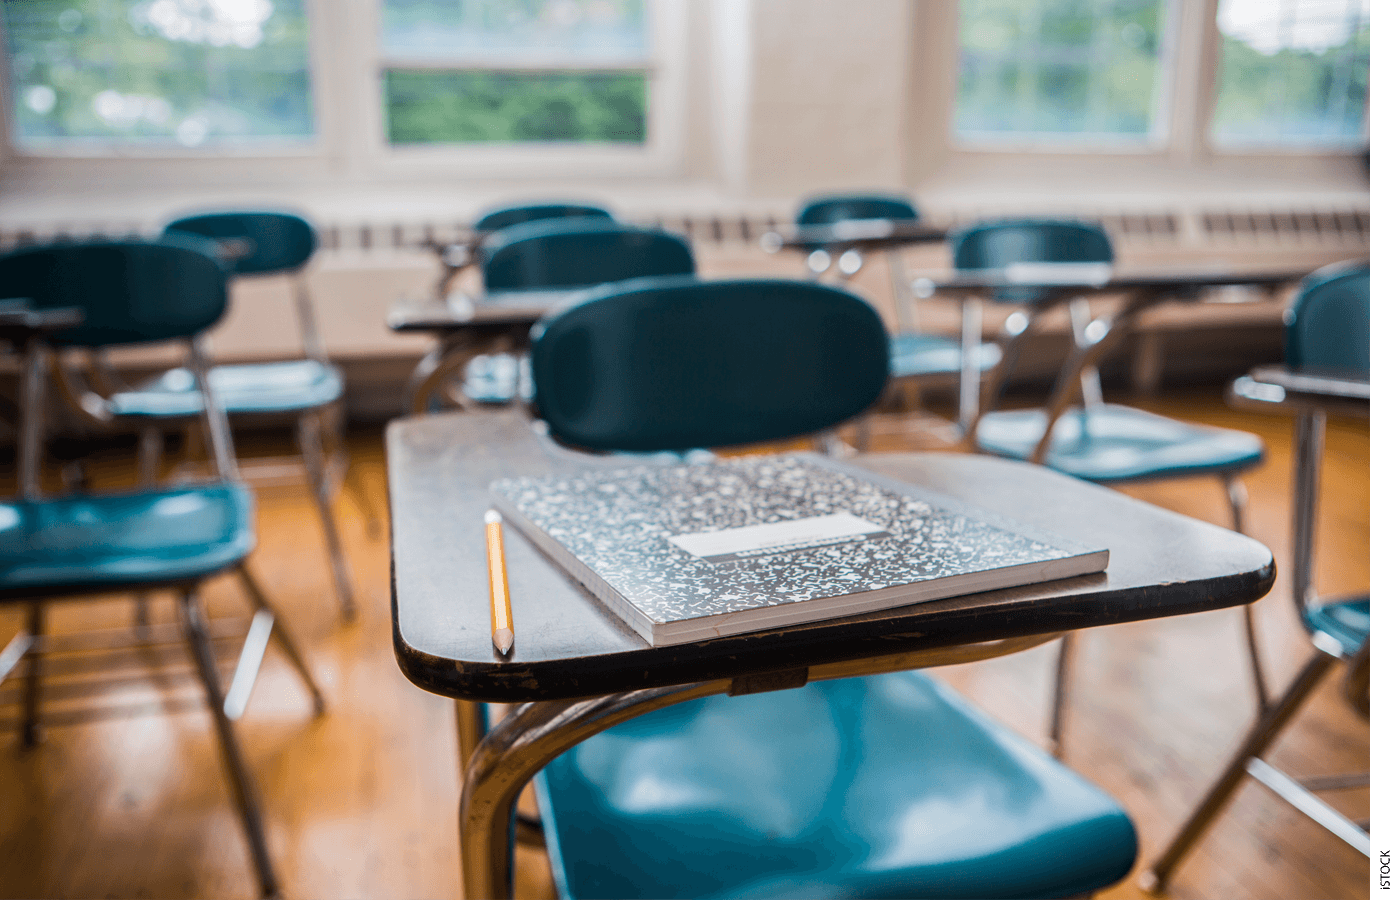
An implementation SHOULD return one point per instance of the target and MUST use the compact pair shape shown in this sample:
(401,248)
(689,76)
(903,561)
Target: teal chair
(309,391)
(830,209)
(563,252)
(916,358)
(459,255)
(504,216)
(1326,337)
(1101,442)
(888,786)
(155,537)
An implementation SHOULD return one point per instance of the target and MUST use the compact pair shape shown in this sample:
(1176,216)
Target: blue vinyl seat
(575,250)
(168,536)
(1101,442)
(888,786)
(309,390)
(917,358)
(1327,334)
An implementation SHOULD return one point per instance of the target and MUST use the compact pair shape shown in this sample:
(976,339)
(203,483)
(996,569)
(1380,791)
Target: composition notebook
(688,553)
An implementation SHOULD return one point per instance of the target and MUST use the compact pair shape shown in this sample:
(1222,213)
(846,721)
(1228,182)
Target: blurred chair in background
(917,359)
(154,537)
(824,790)
(308,391)
(548,254)
(456,256)
(1100,442)
(1327,369)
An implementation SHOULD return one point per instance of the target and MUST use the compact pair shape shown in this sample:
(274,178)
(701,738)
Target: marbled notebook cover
(848,543)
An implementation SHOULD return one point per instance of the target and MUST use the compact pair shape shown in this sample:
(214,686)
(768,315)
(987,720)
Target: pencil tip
(504,639)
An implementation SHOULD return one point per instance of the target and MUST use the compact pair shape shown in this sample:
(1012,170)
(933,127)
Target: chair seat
(251,388)
(118,540)
(912,355)
(1347,621)
(1120,443)
(889,786)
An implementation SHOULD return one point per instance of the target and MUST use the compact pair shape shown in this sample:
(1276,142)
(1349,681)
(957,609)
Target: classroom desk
(467,326)
(1051,285)
(862,235)
(577,670)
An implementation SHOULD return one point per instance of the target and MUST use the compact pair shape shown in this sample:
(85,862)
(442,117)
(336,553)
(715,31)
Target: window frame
(346,71)
(1247,148)
(665,67)
(1186,97)
(1155,140)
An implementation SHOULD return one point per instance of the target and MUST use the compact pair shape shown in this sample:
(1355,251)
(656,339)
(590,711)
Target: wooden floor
(362,801)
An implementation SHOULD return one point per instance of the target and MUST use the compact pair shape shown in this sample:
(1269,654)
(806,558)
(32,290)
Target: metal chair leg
(282,637)
(1237,495)
(333,424)
(196,630)
(33,673)
(1060,702)
(309,433)
(1268,726)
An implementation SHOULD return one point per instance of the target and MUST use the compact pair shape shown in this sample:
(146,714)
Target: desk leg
(516,749)
(441,361)
(471,728)
(1069,383)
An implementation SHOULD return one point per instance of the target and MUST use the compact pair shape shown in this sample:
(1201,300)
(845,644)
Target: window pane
(1292,72)
(1059,67)
(578,30)
(427,106)
(192,72)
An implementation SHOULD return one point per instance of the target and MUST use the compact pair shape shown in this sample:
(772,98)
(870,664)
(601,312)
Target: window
(190,73)
(1292,72)
(1072,69)
(495,71)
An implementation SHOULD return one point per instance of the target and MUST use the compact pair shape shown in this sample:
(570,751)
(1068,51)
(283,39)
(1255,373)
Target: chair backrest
(254,243)
(994,245)
(677,363)
(827,209)
(505,216)
(130,291)
(578,252)
(1328,325)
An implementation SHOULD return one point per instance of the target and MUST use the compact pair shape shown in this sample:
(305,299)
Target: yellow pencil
(502,629)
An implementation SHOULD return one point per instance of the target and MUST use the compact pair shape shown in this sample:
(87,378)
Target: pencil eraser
(492,516)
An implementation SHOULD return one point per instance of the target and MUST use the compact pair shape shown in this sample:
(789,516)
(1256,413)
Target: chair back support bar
(575,252)
(674,363)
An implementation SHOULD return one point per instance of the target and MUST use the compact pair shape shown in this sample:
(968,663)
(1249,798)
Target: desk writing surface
(568,645)
(860,234)
(1154,280)
(464,311)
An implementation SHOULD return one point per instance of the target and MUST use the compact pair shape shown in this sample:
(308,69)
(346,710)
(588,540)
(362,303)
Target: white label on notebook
(734,544)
